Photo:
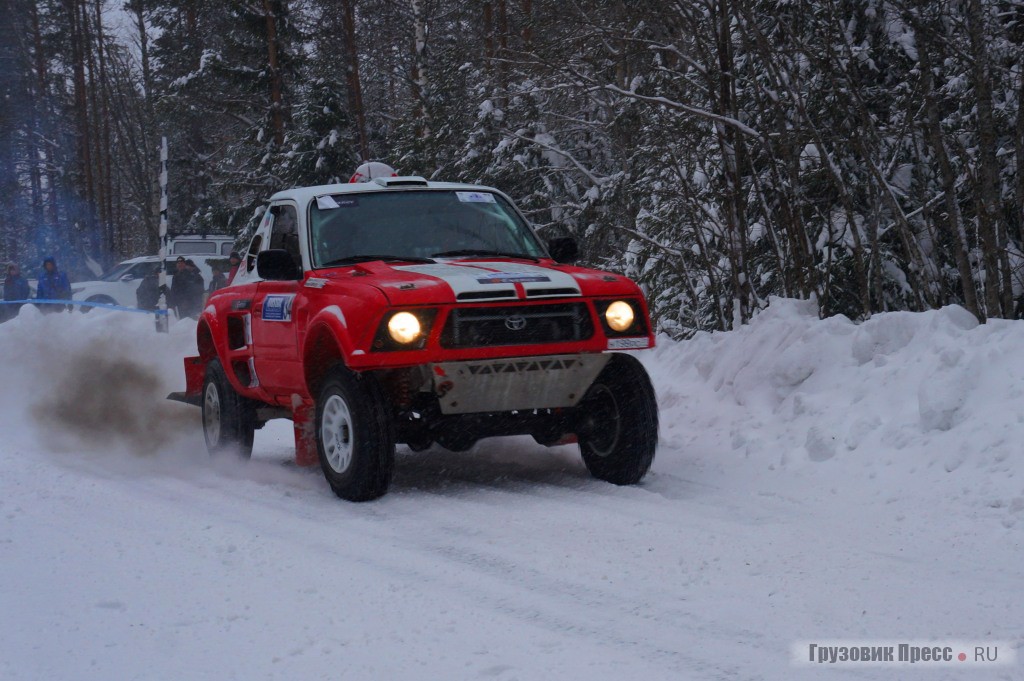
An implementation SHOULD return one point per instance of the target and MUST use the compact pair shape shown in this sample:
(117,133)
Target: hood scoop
(551,292)
(499,294)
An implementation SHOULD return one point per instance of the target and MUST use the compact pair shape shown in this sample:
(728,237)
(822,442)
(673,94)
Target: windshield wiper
(352,259)
(477,251)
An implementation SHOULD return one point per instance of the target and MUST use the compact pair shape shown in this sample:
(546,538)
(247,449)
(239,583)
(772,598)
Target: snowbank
(923,405)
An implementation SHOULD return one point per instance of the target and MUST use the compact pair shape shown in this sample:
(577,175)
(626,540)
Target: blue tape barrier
(81,303)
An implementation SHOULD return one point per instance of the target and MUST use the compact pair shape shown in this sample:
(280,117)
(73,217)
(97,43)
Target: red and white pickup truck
(405,311)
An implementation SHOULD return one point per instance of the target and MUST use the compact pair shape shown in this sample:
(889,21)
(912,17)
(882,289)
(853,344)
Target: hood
(50,259)
(496,280)
(476,281)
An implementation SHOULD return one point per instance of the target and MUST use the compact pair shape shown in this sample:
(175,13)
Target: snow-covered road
(816,480)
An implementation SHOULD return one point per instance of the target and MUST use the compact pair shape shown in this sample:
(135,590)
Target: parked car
(119,284)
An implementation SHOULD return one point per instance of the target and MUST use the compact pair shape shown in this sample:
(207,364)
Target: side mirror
(128,277)
(563,249)
(277,265)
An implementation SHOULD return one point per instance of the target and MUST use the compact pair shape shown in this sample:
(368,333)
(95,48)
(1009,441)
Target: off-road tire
(229,420)
(355,436)
(618,422)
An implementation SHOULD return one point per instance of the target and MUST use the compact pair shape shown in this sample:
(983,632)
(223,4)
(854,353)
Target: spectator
(53,285)
(187,289)
(218,281)
(235,260)
(15,288)
(147,296)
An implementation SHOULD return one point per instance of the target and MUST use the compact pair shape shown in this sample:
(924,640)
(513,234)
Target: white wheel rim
(211,414)
(336,433)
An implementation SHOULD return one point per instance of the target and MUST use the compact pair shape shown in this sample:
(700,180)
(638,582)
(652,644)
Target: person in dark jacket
(187,289)
(53,285)
(15,288)
(147,296)
(218,280)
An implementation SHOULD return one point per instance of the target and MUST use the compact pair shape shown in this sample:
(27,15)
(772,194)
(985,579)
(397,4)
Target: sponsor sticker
(628,343)
(332,202)
(511,278)
(476,197)
(278,307)
(315,282)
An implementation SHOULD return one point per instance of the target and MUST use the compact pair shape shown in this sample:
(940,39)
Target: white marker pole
(162,320)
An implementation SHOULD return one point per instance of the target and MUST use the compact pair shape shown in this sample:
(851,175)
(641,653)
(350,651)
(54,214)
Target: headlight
(404,327)
(75,290)
(619,316)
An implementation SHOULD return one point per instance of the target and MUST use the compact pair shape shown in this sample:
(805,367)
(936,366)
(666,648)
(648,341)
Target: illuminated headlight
(619,316)
(404,327)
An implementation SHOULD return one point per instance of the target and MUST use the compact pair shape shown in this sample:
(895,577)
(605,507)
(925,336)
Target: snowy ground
(816,480)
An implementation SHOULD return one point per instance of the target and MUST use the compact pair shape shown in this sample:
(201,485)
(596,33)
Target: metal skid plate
(515,384)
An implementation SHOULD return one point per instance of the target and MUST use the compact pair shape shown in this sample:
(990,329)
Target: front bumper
(514,384)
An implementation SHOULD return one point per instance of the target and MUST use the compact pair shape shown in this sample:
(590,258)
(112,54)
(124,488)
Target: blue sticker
(278,308)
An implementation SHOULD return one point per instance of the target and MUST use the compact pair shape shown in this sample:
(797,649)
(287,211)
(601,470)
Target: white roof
(303,195)
(172,256)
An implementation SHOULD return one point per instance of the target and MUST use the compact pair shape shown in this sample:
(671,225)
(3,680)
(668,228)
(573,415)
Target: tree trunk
(420,76)
(78,48)
(947,177)
(987,174)
(42,114)
(527,33)
(106,180)
(276,79)
(355,88)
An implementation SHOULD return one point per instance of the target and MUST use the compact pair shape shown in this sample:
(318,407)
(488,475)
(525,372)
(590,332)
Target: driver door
(276,307)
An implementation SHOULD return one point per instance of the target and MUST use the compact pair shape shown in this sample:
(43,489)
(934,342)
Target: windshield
(416,224)
(115,273)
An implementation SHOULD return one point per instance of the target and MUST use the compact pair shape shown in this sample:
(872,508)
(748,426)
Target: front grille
(520,325)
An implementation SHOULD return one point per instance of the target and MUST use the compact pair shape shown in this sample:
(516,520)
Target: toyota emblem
(515,323)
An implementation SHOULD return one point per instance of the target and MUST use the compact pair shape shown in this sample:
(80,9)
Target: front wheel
(229,420)
(618,426)
(104,300)
(354,436)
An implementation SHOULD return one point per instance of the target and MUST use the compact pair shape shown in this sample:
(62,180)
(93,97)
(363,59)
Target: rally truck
(402,311)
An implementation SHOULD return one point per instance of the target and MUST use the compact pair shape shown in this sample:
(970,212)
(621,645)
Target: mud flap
(195,370)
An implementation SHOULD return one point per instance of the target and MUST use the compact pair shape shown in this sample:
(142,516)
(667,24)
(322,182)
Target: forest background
(860,153)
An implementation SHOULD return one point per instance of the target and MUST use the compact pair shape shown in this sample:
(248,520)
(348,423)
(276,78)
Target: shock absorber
(403,389)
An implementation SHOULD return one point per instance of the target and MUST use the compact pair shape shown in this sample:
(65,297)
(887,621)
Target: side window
(254,250)
(285,233)
(137,271)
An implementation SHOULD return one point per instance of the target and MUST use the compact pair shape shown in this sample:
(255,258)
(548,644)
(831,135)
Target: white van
(119,284)
(202,244)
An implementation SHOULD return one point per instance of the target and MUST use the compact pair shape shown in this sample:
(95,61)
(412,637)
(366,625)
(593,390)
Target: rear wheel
(354,436)
(618,423)
(229,420)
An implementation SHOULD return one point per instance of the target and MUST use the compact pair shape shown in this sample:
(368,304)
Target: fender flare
(328,342)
